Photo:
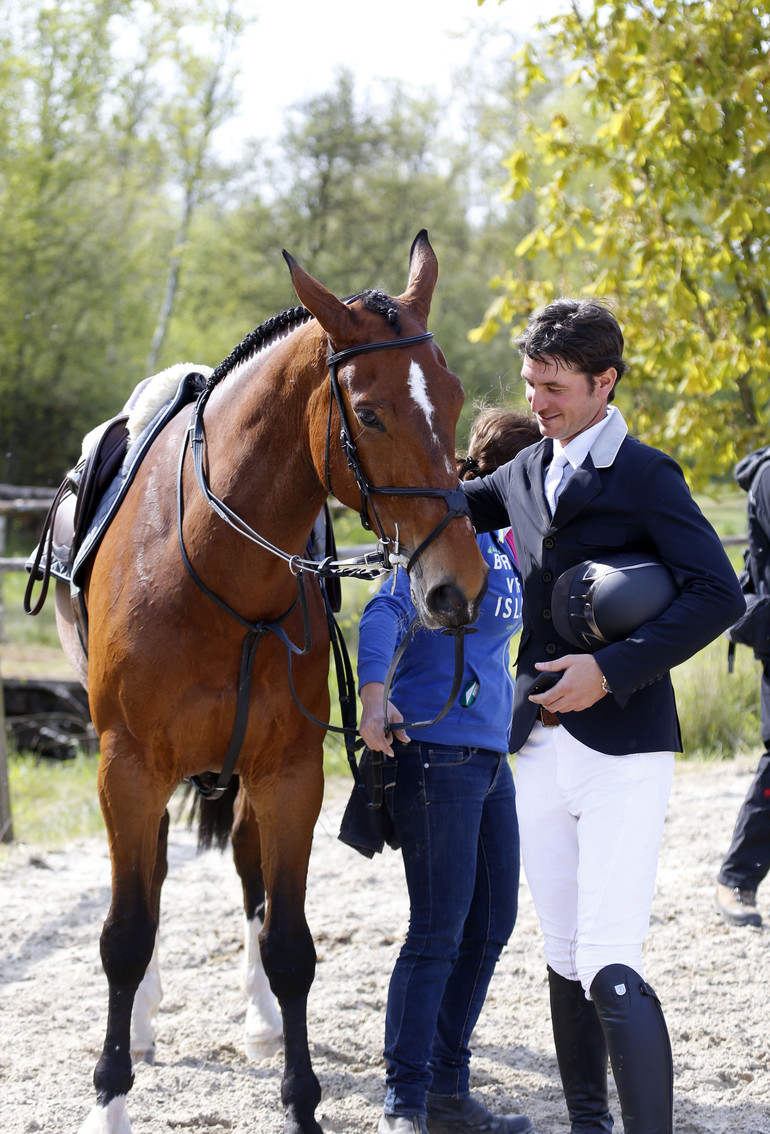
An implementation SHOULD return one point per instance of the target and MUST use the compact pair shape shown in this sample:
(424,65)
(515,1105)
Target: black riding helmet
(594,604)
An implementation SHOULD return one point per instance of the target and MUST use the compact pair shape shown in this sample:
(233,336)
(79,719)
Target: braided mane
(372,300)
(258,337)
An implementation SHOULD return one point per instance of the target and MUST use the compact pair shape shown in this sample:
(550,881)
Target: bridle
(454,497)
(387,555)
(367,566)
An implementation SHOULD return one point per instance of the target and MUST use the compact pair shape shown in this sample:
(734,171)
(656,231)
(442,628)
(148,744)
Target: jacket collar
(584,484)
(605,448)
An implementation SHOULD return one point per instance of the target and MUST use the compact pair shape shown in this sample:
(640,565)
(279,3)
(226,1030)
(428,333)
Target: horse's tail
(214,816)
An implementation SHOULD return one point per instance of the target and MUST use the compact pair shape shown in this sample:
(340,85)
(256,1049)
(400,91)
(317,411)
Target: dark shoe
(639,1047)
(448,1115)
(581,1052)
(737,906)
(399,1124)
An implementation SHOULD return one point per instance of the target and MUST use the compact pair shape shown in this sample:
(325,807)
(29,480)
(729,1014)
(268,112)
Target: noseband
(454,497)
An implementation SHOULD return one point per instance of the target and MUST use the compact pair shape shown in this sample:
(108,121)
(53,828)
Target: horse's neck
(258,438)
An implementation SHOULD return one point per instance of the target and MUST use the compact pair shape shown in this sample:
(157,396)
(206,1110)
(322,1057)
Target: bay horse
(202,557)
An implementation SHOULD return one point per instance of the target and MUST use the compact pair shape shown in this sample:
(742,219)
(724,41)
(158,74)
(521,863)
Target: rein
(411,630)
(364,567)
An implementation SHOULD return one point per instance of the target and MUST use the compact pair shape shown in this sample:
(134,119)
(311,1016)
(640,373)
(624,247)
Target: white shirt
(579,447)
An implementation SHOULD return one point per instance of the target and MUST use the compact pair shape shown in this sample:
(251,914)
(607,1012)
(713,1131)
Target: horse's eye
(369,420)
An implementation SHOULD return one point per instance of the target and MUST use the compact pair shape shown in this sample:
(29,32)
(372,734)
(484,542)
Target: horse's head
(395,405)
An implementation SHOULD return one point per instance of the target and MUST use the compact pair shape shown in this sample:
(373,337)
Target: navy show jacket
(626,496)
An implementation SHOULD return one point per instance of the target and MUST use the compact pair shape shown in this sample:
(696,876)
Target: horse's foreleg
(263,1019)
(289,958)
(150,993)
(286,820)
(133,820)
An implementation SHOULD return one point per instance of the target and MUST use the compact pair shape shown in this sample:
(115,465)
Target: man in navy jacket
(596,751)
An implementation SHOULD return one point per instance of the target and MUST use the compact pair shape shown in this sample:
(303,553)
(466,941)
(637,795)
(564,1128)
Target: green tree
(106,110)
(652,190)
(191,114)
(349,187)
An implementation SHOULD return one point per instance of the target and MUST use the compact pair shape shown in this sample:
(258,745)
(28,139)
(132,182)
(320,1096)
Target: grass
(54,802)
(718,711)
(726,510)
(29,647)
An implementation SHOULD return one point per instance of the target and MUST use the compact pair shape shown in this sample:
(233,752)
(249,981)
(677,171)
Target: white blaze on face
(419,392)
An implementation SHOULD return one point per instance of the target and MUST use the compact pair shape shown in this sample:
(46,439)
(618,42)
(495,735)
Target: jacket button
(550,648)
(547,576)
(548,542)
(547,615)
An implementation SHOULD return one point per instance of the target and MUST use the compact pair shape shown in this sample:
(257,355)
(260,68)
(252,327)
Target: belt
(547,718)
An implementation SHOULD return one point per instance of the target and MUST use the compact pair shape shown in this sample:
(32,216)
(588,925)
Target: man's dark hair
(581,333)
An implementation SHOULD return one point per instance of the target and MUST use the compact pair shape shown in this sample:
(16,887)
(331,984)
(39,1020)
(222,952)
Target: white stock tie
(553,479)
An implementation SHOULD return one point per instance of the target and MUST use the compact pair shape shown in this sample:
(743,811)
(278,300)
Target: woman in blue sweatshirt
(450,796)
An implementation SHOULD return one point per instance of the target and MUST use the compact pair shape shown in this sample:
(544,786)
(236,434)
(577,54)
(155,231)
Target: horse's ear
(423,273)
(333,315)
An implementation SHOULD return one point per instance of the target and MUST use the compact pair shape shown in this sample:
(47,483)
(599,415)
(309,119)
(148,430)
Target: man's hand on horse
(372,727)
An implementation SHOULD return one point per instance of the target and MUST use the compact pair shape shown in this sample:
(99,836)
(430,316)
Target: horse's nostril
(448,604)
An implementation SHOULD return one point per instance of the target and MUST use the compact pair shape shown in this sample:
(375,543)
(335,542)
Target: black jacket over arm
(625,497)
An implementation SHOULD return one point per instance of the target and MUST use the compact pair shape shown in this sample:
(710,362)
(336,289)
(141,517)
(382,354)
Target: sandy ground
(712,981)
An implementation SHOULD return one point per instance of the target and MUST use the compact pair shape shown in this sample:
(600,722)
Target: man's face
(562,400)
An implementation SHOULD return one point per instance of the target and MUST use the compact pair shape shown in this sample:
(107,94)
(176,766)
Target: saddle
(73,508)
(89,497)
(92,477)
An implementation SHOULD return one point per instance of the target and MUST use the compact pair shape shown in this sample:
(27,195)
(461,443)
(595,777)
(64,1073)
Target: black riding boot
(639,1047)
(581,1051)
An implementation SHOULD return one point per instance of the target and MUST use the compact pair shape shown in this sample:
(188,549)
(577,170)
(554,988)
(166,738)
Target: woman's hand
(372,727)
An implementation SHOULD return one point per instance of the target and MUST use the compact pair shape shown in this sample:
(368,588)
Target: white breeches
(591,826)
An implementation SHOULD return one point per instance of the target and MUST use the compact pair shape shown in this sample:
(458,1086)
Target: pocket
(446,756)
(455,783)
(403,781)
(603,534)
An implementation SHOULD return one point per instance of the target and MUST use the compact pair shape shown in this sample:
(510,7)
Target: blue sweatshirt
(481,714)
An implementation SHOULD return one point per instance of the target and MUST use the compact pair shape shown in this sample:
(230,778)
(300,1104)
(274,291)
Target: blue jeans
(454,810)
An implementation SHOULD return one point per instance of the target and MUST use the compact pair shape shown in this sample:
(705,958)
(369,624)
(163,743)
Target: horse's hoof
(259,1047)
(297,1125)
(143,1054)
(110,1119)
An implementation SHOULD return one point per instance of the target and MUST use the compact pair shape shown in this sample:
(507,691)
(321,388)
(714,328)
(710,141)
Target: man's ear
(606,380)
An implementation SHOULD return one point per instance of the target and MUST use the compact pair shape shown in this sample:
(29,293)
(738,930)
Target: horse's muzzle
(447,606)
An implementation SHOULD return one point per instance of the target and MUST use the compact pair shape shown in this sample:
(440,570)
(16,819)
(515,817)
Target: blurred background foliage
(623,151)
(134,234)
(643,155)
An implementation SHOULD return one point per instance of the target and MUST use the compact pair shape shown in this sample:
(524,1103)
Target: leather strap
(547,718)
